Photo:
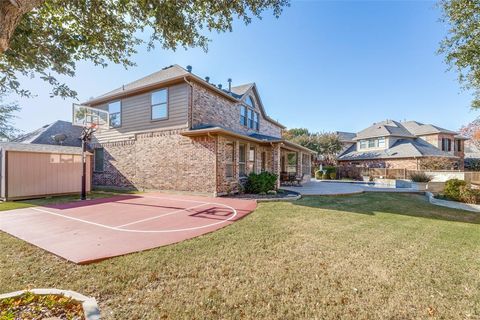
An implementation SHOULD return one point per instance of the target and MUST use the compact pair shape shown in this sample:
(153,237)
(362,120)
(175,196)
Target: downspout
(190,104)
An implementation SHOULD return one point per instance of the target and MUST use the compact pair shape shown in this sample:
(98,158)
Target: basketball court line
(235,213)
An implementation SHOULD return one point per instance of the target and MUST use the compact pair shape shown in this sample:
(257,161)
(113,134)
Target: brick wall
(212,108)
(163,160)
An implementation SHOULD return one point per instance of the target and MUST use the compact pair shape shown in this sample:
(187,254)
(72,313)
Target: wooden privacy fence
(472,177)
(391,173)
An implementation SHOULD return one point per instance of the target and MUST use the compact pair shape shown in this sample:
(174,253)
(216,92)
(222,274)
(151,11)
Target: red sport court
(92,230)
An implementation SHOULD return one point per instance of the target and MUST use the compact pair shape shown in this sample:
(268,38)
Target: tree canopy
(462,45)
(7,113)
(326,144)
(47,37)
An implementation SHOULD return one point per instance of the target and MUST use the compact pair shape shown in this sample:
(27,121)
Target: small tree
(7,113)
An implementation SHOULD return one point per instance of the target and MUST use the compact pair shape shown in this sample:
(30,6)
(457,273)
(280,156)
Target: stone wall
(163,160)
(214,109)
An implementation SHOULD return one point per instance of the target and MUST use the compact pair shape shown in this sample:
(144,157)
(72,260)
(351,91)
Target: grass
(368,256)
(19,204)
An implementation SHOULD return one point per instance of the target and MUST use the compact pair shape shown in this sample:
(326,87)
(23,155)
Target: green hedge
(452,189)
(261,183)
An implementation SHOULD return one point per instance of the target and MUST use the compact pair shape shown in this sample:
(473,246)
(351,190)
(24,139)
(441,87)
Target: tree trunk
(11,13)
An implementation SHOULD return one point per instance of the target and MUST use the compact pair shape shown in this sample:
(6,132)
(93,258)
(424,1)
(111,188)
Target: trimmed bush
(420,177)
(333,175)
(326,176)
(319,174)
(469,195)
(330,169)
(261,183)
(452,188)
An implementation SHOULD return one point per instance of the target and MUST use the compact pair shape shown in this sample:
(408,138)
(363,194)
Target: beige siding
(136,114)
(37,174)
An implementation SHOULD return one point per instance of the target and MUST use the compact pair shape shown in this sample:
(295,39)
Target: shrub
(420,177)
(333,175)
(319,174)
(261,183)
(326,176)
(330,169)
(469,195)
(452,188)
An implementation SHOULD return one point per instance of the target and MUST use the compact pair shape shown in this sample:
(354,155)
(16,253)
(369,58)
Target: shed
(38,170)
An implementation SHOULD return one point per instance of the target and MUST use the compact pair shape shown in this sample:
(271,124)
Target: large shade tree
(47,37)
(461,47)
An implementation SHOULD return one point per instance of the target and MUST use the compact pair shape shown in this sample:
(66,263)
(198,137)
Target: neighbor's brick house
(403,145)
(173,130)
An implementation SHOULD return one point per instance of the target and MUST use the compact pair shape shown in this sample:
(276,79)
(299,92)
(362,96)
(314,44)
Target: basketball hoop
(91,120)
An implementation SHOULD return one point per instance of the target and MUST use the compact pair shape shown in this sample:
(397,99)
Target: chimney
(207,79)
(229,84)
(189,68)
(220,86)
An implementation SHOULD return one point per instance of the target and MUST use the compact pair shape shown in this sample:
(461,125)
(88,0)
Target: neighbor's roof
(402,148)
(45,134)
(345,136)
(255,137)
(175,73)
(384,129)
(419,129)
(41,148)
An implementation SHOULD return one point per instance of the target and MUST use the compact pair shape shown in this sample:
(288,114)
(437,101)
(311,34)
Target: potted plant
(420,180)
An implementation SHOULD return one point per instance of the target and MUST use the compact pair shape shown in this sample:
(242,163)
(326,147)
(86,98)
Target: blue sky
(323,65)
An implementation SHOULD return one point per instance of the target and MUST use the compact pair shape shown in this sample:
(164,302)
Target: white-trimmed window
(249,102)
(242,157)
(243,115)
(373,143)
(229,159)
(252,158)
(250,118)
(160,104)
(99,156)
(446,144)
(115,111)
(255,121)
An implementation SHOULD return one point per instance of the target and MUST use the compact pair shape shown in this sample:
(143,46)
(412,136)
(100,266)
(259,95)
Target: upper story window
(248,116)
(446,144)
(373,143)
(458,145)
(115,111)
(243,115)
(160,104)
(249,102)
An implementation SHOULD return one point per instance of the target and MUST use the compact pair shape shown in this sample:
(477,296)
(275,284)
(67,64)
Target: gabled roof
(45,134)
(384,129)
(418,128)
(176,73)
(402,148)
(346,136)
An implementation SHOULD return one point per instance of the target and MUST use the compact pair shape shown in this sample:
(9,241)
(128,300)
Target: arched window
(249,102)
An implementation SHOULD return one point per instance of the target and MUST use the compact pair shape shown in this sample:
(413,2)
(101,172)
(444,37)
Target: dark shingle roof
(45,134)
(418,128)
(384,129)
(346,136)
(402,148)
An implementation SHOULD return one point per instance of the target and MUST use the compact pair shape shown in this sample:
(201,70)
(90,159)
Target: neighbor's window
(373,143)
(115,111)
(446,144)
(160,104)
(458,145)
(363,144)
(243,115)
(99,156)
(229,159)
(242,160)
(381,142)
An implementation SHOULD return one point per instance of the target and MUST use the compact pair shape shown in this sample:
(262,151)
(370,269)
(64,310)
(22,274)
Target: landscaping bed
(31,306)
(280,195)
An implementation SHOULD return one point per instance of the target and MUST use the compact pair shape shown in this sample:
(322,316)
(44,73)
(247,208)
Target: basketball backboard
(88,117)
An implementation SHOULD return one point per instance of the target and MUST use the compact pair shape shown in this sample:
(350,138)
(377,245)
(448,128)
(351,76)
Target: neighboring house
(173,130)
(392,144)
(58,133)
(347,139)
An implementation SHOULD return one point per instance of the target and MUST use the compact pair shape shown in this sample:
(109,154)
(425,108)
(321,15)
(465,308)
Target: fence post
(404,173)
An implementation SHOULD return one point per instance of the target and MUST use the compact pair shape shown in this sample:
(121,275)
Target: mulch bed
(30,306)
(283,194)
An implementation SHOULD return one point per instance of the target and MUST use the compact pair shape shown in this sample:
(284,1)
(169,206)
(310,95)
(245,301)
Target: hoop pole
(84,168)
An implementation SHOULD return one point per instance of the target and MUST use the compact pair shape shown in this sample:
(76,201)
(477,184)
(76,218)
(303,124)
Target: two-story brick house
(403,145)
(173,130)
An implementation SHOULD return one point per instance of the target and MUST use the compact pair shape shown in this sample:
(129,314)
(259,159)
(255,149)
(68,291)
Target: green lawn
(368,256)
